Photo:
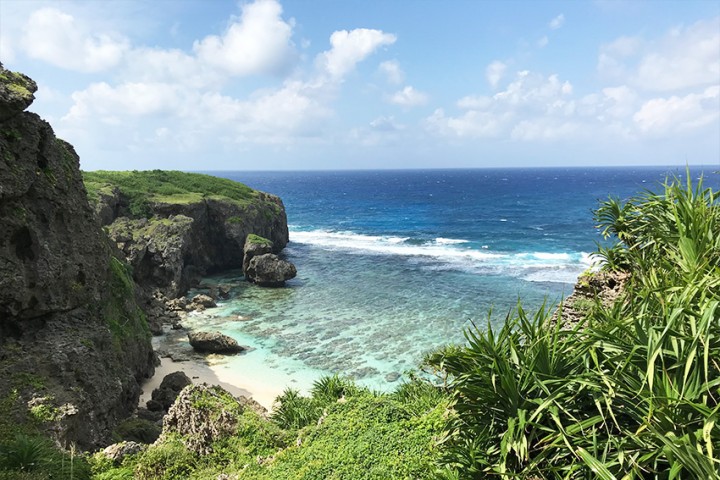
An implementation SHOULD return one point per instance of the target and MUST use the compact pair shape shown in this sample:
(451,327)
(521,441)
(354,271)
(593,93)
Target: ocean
(394,264)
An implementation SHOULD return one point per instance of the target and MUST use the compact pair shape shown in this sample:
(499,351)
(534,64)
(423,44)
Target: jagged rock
(167,392)
(118,451)
(213,342)
(254,246)
(16,93)
(269,270)
(202,415)
(605,287)
(392,377)
(204,300)
(70,317)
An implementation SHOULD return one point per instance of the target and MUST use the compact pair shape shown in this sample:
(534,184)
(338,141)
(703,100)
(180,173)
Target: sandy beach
(211,372)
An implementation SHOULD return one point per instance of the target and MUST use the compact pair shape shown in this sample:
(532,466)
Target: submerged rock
(269,270)
(213,342)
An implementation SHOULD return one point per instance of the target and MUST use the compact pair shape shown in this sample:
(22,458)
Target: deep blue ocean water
(392,264)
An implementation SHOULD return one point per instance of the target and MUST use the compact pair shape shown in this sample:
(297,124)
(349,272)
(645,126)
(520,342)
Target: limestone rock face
(180,242)
(16,93)
(118,451)
(70,326)
(202,415)
(269,270)
(213,342)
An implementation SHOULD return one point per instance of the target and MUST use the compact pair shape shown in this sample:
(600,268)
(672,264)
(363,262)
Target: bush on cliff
(348,433)
(633,392)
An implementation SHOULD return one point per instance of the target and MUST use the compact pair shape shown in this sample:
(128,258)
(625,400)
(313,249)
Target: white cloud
(259,42)
(107,104)
(543,42)
(685,57)
(557,22)
(7,52)
(471,124)
(392,71)
(386,124)
(408,97)
(544,129)
(55,37)
(350,48)
(675,114)
(474,102)
(494,72)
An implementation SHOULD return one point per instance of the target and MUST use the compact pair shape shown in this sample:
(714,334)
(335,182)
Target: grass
(161,186)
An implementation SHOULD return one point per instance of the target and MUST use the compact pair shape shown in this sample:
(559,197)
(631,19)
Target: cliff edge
(74,344)
(175,227)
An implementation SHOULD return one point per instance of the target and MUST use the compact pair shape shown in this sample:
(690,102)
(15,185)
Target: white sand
(212,374)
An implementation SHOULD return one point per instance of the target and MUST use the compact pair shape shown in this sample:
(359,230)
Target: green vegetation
(35,457)
(258,240)
(633,391)
(161,186)
(344,431)
(125,318)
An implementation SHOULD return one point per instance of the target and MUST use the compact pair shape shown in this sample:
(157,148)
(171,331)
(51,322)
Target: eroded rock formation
(71,331)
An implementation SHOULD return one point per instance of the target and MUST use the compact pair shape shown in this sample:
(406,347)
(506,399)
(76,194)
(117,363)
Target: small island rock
(213,342)
(269,270)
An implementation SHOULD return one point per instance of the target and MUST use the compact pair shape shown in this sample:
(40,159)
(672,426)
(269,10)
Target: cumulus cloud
(494,72)
(685,57)
(351,47)
(675,114)
(557,22)
(55,37)
(258,42)
(408,97)
(528,96)
(392,72)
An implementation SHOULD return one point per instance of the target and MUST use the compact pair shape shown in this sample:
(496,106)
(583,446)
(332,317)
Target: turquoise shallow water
(394,264)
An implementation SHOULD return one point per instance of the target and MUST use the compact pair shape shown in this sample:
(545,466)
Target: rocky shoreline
(90,264)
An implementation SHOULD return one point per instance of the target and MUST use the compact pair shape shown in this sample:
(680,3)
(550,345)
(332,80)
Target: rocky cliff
(175,227)
(73,342)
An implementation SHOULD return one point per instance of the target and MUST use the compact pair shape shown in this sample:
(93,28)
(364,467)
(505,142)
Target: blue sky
(328,84)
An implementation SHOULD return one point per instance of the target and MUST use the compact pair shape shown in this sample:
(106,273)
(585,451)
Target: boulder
(204,300)
(164,396)
(118,451)
(213,342)
(254,247)
(269,270)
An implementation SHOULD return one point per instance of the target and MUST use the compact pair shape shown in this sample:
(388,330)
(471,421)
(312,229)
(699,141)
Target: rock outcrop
(164,396)
(172,240)
(202,415)
(213,342)
(269,270)
(71,330)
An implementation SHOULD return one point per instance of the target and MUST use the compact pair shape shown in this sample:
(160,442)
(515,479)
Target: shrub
(633,391)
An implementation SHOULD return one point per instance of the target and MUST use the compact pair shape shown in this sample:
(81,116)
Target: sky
(331,84)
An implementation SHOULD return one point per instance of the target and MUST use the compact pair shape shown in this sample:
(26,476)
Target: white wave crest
(456,254)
